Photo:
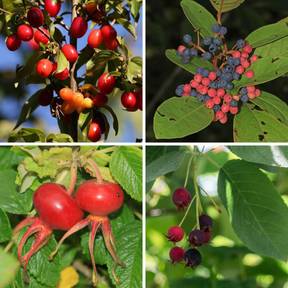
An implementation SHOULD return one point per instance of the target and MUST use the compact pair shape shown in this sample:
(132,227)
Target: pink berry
(181,49)
(250,89)
(181,198)
(236,97)
(220,92)
(202,89)
(224,119)
(249,74)
(187,89)
(239,69)
(209,103)
(212,76)
(234,110)
(257,92)
(194,84)
(244,55)
(236,54)
(220,114)
(251,95)
(248,49)
(176,254)
(175,234)
(227,98)
(246,64)
(217,100)
(205,81)
(254,58)
(225,108)
(212,92)
(198,78)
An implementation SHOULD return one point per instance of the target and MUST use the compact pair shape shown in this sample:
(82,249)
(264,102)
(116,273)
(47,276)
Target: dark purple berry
(196,238)
(240,44)
(216,28)
(244,98)
(223,31)
(187,39)
(205,222)
(176,254)
(213,48)
(207,56)
(207,41)
(192,257)
(181,198)
(175,234)
(217,41)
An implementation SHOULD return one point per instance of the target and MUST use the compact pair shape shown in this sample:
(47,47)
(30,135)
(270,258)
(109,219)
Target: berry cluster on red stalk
(215,87)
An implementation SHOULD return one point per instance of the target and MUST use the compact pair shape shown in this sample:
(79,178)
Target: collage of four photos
(143,144)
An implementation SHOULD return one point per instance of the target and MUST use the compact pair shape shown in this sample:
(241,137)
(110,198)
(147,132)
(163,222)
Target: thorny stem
(96,170)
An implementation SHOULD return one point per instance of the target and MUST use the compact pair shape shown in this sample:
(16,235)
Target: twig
(219,14)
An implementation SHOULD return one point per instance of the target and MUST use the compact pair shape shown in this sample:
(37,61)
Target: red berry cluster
(215,88)
(197,237)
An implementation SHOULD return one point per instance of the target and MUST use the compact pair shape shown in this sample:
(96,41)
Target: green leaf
(129,250)
(29,106)
(8,158)
(257,212)
(274,49)
(179,117)
(192,66)
(252,125)
(265,69)
(272,105)
(114,117)
(228,5)
(126,168)
(5,227)
(200,18)
(268,155)
(166,163)
(268,34)
(10,200)
(59,138)
(27,135)
(8,268)
(62,62)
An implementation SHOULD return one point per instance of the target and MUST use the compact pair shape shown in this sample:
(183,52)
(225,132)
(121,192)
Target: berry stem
(5,11)
(211,199)
(198,201)
(187,210)
(187,171)
(219,14)
(73,177)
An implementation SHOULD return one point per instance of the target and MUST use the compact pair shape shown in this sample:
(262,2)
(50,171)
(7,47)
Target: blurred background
(166,25)
(12,99)
(227,263)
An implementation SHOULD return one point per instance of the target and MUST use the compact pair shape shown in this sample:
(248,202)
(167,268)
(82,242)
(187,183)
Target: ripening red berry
(13,42)
(209,103)
(33,44)
(108,32)
(234,110)
(175,234)
(217,100)
(111,45)
(63,75)
(44,68)
(129,101)
(225,108)
(198,78)
(35,17)
(106,83)
(78,27)
(181,49)
(249,74)
(181,198)
(224,119)
(220,92)
(176,254)
(194,83)
(52,7)
(212,76)
(94,131)
(99,99)
(254,58)
(95,38)
(41,35)
(25,32)
(212,92)
(239,69)
(219,114)
(70,52)
(45,96)
(248,49)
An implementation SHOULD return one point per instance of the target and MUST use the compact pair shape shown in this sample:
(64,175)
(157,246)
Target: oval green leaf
(227,5)
(200,18)
(257,212)
(178,117)
(5,227)
(252,125)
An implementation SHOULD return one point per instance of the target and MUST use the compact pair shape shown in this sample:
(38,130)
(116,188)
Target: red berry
(224,119)
(205,81)
(33,44)
(250,89)
(219,114)
(175,234)
(248,49)
(13,42)
(196,238)
(198,78)
(41,35)
(225,108)
(227,98)
(35,17)
(70,52)
(129,101)
(246,64)
(52,7)
(95,38)
(234,110)
(99,99)
(44,68)
(55,207)
(25,32)
(181,198)
(45,96)
(187,89)
(108,32)
(254,58)
(94,131)
(249,74)
(236,54)
(181,49)
(239,69)
(99,199)
(209,103)
(194,83)
(217,100)
(212,76)
(244,55)
(212,92)
(63,75)
(257,92)
(111,44)
(78,27)
(176,254)
(106,83)
(220,92)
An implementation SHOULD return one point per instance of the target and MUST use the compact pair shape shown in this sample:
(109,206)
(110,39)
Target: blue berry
(179,90)
(222,83)
(243,91)
(187,38)
(236,61)
(244,98)
(193,93)
(234,103)
(236,76)
(218,73)
(231,61)
(186,53)
(217,41)
(213,48)
(207,41)
(227,76)
(228,69)
(206,98)
(205,73)
(216,28)
(216,108)
(193,52)
(223,31)
(240,43)
(199,70)
(230,86)
(213,85)
(201,98)
(207,56)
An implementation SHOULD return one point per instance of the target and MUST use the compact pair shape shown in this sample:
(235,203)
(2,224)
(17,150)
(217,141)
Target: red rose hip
(130,101)
(13,42)
(35,17)
(25,32)
(52,7)
(70,52)
(94,131)
(95,38)
(44,68)
(106,83)
(78,27)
